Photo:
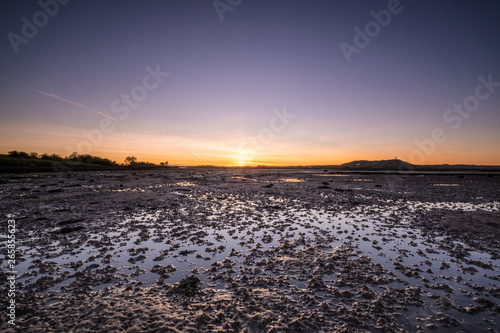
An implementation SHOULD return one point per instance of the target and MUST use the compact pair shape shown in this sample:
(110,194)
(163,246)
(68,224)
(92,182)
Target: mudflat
(253,250)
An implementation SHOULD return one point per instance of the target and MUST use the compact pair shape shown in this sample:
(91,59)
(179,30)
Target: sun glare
(242,158)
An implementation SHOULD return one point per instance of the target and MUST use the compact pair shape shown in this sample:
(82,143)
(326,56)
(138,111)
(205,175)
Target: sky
(240,82)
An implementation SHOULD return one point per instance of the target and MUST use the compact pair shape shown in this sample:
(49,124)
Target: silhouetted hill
(394,164)
(399,165)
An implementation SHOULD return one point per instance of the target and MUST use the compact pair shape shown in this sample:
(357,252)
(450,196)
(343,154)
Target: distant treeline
(74,157)
(21,158)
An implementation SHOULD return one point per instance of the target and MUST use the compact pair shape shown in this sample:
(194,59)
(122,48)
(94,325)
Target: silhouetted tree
(85,158)
(13,153)
(130,160)
(55,157)
(73,156)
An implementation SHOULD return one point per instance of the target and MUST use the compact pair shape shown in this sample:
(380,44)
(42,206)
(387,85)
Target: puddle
(292,180)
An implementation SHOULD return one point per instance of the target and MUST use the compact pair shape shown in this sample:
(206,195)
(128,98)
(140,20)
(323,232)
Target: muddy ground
(248,250)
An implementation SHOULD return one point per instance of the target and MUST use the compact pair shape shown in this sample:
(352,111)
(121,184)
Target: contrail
(82,106)
(189,151)
(60,98)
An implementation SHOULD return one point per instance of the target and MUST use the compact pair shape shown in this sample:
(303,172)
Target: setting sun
(243,159)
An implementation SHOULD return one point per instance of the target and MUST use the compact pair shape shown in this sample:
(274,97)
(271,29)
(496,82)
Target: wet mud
(244,250)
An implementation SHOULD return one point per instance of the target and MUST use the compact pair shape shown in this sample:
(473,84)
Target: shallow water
(222,235)
(236,224)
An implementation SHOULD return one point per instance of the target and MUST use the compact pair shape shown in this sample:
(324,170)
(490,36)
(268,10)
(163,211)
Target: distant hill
(399,165)
(394,164)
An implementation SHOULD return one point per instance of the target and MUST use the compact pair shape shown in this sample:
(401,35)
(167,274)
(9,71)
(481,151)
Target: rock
(189,286)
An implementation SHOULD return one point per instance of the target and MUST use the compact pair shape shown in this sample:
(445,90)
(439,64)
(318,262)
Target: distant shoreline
(55,163)
(327,170)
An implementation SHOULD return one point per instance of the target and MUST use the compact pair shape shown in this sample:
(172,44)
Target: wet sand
(274,251)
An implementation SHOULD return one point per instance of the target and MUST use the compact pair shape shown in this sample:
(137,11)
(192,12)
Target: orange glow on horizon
(218,154)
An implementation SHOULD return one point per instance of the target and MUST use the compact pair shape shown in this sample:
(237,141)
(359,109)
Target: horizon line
(256,164)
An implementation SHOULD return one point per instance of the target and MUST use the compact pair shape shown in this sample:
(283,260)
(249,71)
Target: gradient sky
(228,79)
